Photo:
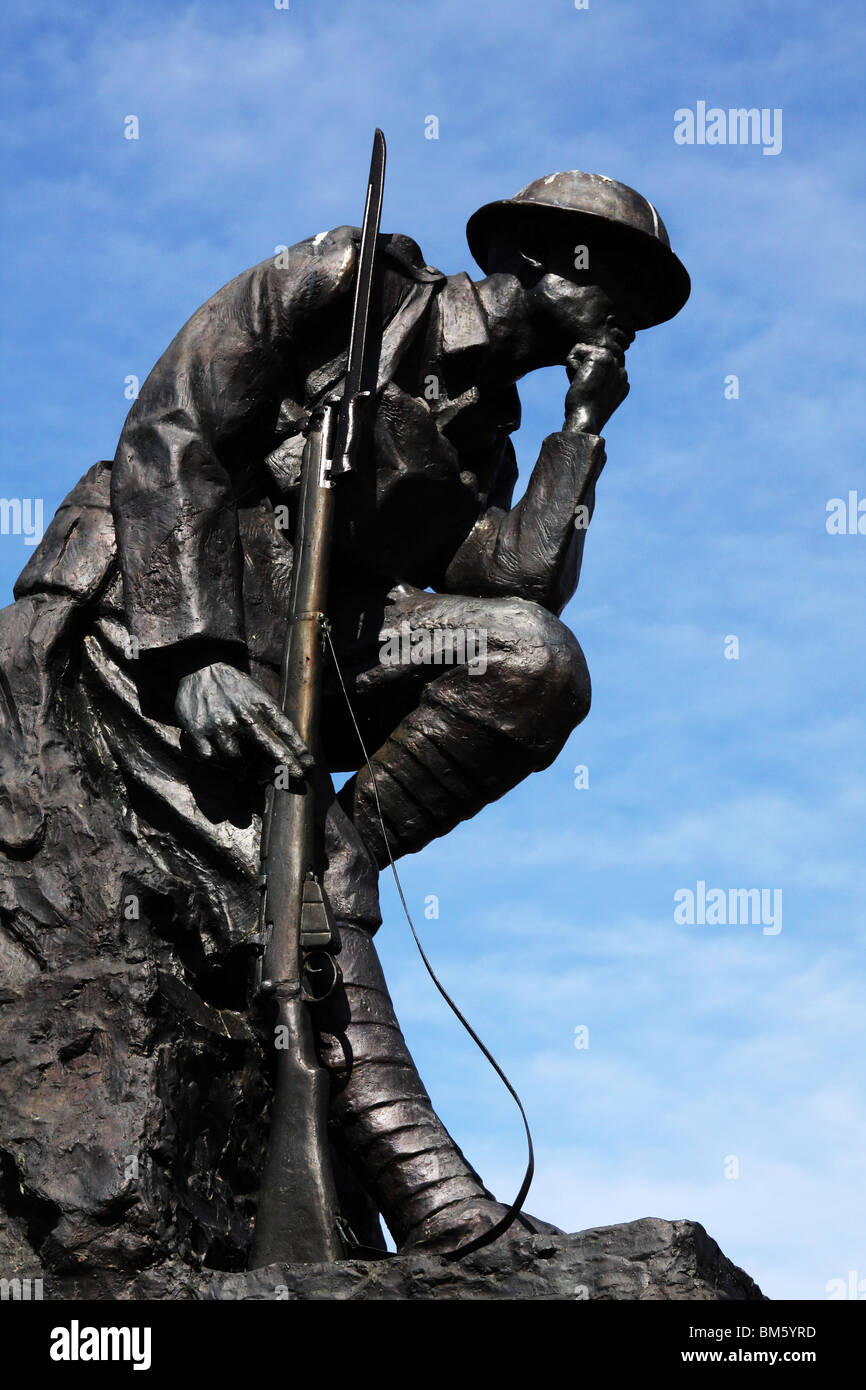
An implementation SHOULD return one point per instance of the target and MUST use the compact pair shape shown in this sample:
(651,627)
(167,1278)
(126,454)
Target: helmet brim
(664,278)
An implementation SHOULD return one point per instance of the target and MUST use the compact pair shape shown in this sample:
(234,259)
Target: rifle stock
(298,1210)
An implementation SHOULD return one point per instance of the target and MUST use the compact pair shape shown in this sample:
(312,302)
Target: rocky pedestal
(649,1260)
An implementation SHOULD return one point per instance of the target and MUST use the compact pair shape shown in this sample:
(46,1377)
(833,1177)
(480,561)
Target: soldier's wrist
(579,424)
(578,418)
(169,665)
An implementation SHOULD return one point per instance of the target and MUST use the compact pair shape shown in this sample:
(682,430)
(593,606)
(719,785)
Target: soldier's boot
(428,1194)
(474,735)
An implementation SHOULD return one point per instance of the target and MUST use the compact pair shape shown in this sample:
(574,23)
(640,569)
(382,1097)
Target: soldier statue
(141,723)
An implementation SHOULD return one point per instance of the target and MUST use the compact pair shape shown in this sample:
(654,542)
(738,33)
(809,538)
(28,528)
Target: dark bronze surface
(140,700)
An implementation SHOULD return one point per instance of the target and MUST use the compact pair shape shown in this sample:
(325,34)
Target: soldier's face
(569,313)
(582,296)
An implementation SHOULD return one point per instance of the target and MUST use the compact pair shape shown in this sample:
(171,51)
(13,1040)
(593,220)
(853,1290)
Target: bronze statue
(139,693)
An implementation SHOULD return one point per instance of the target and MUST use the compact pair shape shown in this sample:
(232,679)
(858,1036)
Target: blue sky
(556,904)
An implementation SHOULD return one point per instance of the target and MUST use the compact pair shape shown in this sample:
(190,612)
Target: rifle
(298,1214)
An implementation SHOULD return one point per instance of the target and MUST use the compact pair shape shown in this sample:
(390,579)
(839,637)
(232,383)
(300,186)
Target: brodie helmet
(585,203)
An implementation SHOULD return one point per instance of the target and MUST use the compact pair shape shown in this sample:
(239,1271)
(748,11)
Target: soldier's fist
(228,717)
(599,383)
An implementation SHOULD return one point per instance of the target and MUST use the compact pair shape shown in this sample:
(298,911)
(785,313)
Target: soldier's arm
(534,549)
(212,400)
(207,411)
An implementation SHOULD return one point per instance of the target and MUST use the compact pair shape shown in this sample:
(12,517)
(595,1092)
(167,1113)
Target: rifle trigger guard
(320,976)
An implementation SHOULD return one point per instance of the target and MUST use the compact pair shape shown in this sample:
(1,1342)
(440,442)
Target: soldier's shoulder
(326,260)
(329,257)
(301,279)
(298,279)
(336,253)
(338,250)
(329,260)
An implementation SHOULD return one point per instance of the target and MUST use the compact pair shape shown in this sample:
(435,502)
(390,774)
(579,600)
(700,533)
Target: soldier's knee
(543,666)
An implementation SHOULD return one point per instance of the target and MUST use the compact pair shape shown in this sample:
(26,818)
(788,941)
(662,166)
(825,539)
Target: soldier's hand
(228,717)
(599,383)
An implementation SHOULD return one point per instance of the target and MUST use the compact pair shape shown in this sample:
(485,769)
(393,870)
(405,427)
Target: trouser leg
(447,741)
(390,1133)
